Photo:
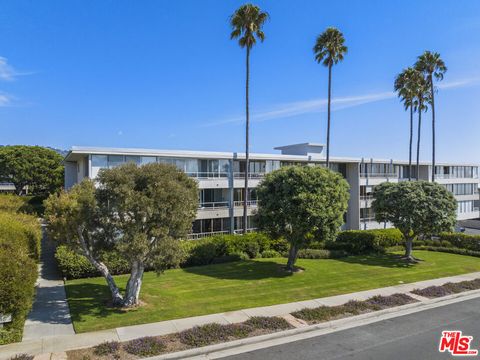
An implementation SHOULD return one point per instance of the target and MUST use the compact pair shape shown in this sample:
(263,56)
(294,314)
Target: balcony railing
(249,203)
(208,175)
(453,176)
(251,175)
(213,205)
(379,175)
(366,197)
(240,231)
(197,236)
(367,219)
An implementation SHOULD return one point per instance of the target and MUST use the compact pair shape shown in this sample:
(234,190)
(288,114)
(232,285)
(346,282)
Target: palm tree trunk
(433,128)
(328,112)
(410,147)
(247,130)
(418,139)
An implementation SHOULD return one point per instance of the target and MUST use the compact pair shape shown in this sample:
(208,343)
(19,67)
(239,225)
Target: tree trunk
(328,112)
(117,299)
(292,257)
(247,130)
(418,139)
(408,249)
(134,284)
(410,146)
(433,128)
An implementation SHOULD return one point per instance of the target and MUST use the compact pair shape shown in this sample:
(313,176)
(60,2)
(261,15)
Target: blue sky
(164,74)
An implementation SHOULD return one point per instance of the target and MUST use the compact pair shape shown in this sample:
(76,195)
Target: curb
(258,342)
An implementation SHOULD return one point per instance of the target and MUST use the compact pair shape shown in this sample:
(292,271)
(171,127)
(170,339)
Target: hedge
(462,241)
(366,241)
(22,204)
(20,237)
(450,250)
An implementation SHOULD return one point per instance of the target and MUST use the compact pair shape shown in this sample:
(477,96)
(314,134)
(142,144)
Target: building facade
(221,186)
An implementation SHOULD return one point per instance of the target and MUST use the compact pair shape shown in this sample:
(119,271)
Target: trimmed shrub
(320,254)
(146,346)
(432,291)
(23,230)
(213,333)
(448,288)
(271,254)
(366,241)
(450,250)
(462,241)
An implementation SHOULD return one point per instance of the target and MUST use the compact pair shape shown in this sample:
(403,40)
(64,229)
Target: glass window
(224,166)
(147,159)
(134,159)
(115,160)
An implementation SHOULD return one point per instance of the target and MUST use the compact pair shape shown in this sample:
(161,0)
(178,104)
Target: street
(414,336)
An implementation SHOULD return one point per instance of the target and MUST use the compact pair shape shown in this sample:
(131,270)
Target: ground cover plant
(202,290)
(448,289)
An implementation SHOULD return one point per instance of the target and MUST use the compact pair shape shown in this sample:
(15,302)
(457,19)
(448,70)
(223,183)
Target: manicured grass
(225,287)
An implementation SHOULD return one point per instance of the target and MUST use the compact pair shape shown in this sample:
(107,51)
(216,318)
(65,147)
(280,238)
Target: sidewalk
(59,344)
(50,315)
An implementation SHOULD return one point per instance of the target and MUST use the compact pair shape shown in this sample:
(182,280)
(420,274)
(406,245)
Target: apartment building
(220,180)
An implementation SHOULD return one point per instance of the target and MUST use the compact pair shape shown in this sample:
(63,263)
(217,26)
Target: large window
(465,206)
(462,189)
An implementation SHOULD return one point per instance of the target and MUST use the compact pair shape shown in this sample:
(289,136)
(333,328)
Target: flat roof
(78,151)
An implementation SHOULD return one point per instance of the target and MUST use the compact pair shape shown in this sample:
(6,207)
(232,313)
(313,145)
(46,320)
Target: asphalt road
(415,336)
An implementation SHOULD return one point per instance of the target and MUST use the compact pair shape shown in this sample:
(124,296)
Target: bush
(106,348)
(146,346)
(267,254)
(451,250)
(213,333)
(462,241)
(23,230)
(320,254)
(366,241)
(448,288)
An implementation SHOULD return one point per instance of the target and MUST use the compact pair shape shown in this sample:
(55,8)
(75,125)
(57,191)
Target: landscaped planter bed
(192,338)
(351,308)
(448,289)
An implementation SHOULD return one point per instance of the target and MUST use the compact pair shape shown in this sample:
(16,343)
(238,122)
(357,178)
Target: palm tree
(329,49)
(420,103)
(247,23)
(404,85)
(431,65)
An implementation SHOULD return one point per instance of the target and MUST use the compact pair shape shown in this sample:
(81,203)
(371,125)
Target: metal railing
(455,176)
(213,205)
(366,197)
(367,219)
(208,175)
(251,175)
(197,236)
(379,175)
(249,203)
(240,231)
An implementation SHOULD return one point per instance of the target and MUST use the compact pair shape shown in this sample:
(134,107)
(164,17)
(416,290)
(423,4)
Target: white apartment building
(220,180)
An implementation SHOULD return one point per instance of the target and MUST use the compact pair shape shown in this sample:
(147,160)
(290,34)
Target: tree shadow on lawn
(380,260)
(242,270)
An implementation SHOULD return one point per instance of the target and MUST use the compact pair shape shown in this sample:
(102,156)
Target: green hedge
(22,204)
(366,241)
(20,237)
(462,241)
(451,250)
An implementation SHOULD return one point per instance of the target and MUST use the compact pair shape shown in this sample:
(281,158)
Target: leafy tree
(431,64)
(247,23)
(329,49)
(39,168)
(300,203)
(415,208)
(140,212)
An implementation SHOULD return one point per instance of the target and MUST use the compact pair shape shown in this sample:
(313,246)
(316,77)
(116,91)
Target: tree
(247,23)
(404,85)
(39,168)
(329,49)
(431,65)
(420,104)
(300,203)
(415,208)
(140,212)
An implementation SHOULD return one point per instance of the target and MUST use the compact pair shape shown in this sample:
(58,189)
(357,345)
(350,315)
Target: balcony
(198,236)
(249,203)
(240,231)
(454,176)
(213,205)
(208,175)
(379,175)
(251,175)
(366,197)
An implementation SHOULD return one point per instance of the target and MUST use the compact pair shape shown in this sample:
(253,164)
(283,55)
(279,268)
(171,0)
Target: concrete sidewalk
(50,315)
(59,344)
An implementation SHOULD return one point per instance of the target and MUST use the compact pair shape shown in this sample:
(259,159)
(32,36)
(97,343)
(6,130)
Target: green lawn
(225,287)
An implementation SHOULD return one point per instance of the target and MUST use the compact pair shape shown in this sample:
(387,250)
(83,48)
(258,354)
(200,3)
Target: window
(133,159)
(115,160)
(147,159)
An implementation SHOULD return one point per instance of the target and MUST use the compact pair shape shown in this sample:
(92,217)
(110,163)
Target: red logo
(454,342)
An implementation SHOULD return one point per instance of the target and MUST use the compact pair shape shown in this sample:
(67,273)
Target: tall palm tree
(432,66)
(247,23)
(405,84)
(420,103)
(329,49)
